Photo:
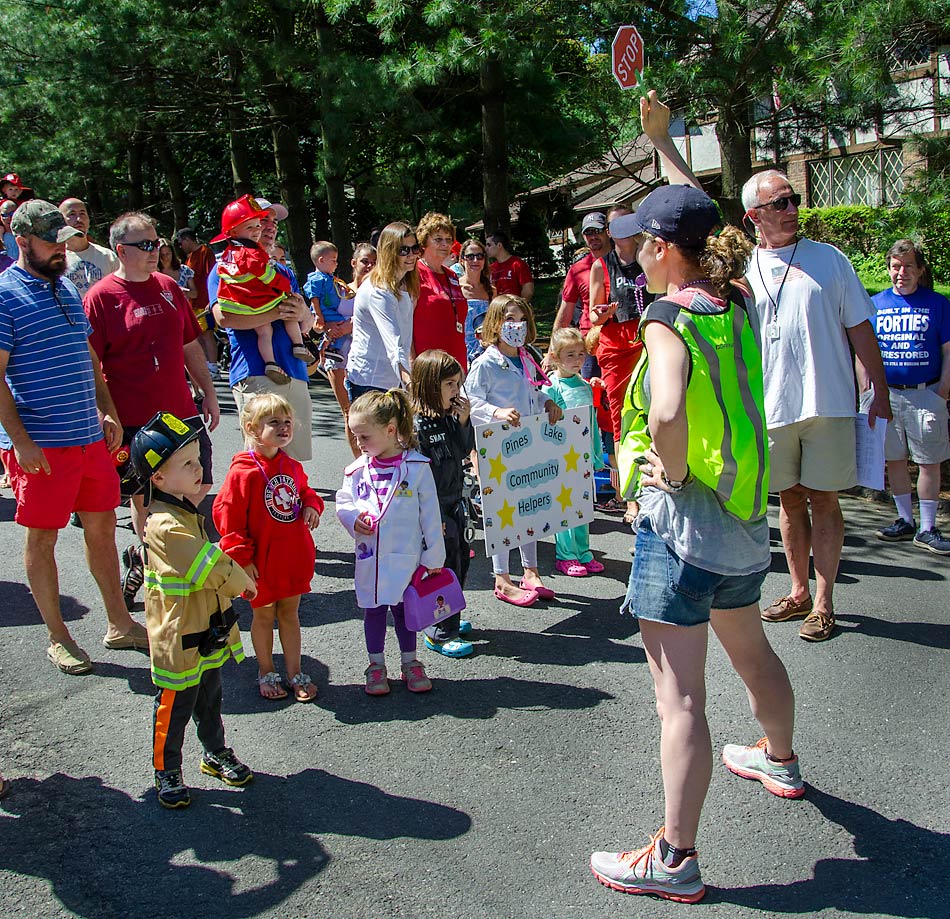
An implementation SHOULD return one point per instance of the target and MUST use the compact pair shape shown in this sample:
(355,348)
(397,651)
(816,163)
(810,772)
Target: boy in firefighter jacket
(189,584)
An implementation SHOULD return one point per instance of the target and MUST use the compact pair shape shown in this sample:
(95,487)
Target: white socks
(904,507)
(928,515)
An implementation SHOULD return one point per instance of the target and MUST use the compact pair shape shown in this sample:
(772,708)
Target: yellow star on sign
(571,458)
(498,469)
(506,514)
(564,498)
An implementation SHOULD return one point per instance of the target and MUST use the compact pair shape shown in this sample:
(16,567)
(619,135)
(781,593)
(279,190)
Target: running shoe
(782,779)
(172,791)
(643,871)
(933,541)
(377,682)
(414,675)
(226,766)
(898,531)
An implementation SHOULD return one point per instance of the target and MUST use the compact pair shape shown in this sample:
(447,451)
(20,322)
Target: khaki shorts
(818,453)
(297,393)
(919,428)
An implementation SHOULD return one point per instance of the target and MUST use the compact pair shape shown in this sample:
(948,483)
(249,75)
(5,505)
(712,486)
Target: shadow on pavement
(19,608)
(561,650)
(849,567)
(900,870)
(233,853)
(459,698)
(926,634)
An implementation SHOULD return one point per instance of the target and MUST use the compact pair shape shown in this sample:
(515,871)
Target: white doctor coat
(408,534)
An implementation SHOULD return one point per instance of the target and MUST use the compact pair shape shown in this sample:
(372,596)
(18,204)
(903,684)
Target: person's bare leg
(39,560)
(827,540)
(928,482)
(288,627)
(262,637)
(98,530)
(338,385)
(677,658)
(760,668)
(265,343)
(293,331)
(796,527)
(898,478)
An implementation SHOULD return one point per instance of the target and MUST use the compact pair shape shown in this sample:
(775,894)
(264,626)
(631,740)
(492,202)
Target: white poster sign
(536,479)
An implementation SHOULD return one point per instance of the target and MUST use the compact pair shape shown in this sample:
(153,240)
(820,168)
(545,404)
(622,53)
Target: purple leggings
(374,627)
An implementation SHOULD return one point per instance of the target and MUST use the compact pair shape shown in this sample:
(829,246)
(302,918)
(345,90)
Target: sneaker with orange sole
(782,779)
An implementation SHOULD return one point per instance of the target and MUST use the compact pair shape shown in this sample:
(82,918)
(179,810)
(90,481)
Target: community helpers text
(536,479)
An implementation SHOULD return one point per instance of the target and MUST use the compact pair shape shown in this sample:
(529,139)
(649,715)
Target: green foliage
(865,234)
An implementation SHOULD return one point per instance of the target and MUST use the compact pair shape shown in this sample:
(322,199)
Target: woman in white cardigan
(382,316)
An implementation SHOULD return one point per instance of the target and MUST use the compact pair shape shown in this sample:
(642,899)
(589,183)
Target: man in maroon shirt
(509,274)
(145,335)
(576,290)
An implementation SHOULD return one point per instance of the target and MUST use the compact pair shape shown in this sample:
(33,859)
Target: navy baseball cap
(680,214)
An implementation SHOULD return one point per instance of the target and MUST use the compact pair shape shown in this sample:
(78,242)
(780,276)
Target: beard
(53,267)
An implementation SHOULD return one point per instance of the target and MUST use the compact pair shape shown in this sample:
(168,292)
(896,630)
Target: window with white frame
(875,178)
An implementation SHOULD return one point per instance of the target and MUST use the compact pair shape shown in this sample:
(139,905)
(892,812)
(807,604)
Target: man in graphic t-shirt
(913,331)
(809,305)
(86,262)
(509,274)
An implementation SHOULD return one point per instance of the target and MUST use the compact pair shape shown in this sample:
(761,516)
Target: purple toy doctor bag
(431,598)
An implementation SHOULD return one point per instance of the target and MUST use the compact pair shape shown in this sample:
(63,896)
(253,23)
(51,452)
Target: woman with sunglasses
(478,291)
(439,319)
(382,315)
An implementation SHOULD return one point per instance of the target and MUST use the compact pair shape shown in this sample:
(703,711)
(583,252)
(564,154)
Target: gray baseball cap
(43,219)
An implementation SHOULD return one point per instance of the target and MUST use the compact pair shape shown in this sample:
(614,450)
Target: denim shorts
(665,589)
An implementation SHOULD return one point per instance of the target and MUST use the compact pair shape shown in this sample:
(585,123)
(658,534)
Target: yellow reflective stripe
(237,278)
(269,274)
(170,680)
(232,306)
(201,567)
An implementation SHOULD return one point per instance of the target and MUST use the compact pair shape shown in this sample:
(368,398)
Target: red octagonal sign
(626,54)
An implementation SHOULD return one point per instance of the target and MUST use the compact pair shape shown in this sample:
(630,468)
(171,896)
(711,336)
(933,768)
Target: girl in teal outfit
(573,394)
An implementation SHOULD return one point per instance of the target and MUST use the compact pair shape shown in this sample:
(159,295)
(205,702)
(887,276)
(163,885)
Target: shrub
(865,234)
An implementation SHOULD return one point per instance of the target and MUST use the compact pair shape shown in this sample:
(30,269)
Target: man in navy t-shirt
(913,332)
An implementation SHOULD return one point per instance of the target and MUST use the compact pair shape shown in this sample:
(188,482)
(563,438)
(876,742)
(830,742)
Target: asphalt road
(484,798)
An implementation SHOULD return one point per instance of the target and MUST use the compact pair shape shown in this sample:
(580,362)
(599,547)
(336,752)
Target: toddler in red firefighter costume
(249,283)
(264,513)
(192,630)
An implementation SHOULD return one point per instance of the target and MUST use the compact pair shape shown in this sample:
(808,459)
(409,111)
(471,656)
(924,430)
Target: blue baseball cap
(680,214)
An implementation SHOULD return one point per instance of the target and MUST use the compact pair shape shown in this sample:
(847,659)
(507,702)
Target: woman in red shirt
(439,318)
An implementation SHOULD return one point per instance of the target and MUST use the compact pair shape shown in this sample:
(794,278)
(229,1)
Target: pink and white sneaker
(414,675)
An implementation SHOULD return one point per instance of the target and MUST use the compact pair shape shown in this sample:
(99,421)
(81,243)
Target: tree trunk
(237,136)
(734,131)
(136,179)
(283,107)
(176,185)
(491,76)
(333,134)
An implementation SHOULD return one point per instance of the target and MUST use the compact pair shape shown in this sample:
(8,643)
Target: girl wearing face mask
(503,385)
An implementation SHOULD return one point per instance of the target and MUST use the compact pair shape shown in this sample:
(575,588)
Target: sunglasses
(146,245)
(781,204)
(593,231)
(409,250)
(474,256)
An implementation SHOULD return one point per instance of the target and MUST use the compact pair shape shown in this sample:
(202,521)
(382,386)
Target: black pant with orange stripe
(173,708)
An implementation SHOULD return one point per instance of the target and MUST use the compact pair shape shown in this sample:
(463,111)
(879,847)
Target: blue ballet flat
(451,648)
(465,627)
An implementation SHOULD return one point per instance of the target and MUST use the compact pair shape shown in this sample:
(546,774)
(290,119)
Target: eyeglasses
(61,305)
(781,204)
(146,245)
(409,250)
(474,256)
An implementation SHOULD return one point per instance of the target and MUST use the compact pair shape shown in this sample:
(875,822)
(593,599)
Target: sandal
(303,353)
(611,506)
(276,373)
(271,686)
(303,688)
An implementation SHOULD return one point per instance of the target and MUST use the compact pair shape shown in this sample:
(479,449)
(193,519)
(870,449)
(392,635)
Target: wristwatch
(673,485)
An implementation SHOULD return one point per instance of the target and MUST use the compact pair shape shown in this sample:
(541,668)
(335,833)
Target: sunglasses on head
(474,256)
(409,250)
(781,204)
(146,245)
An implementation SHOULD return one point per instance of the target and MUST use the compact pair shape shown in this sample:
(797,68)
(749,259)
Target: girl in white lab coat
(389,505)
(503,385)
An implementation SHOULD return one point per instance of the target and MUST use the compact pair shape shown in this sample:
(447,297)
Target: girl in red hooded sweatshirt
(264,513)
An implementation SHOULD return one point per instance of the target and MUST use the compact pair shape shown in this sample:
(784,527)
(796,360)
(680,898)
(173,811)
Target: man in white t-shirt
(86,262)
(810,305)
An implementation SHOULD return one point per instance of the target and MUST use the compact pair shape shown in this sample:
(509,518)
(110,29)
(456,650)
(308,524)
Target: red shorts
(617,354)
(80,479)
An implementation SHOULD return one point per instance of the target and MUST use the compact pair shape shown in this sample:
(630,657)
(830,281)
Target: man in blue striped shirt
(51,397)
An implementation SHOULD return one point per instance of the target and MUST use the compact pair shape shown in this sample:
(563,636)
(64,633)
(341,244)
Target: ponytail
(383,408)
